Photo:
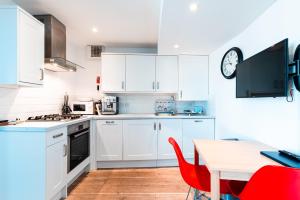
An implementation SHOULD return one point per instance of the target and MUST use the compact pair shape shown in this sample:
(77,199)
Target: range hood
(55,45)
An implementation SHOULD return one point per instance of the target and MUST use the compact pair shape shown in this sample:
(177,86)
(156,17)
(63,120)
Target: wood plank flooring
(130,184)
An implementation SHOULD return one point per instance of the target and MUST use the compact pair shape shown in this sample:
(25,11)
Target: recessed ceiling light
(176,46)
(193,7)
(95,30)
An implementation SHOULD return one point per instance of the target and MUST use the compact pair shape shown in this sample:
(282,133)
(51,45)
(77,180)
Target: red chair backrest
(178,152)
(273,182)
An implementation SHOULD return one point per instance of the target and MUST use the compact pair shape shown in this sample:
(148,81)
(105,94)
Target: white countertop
(40,126)
(151,116)
(47,126)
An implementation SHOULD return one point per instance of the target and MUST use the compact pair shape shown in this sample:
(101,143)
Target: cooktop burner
(55,117)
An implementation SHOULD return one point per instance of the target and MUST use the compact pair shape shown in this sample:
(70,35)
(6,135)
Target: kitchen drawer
(56,136)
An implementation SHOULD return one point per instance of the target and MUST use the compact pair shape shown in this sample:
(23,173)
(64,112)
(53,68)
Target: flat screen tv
(264,74)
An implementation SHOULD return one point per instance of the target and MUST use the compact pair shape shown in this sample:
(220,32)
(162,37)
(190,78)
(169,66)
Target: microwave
(82,107)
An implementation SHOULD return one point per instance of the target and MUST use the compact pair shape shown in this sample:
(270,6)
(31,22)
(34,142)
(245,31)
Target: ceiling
(151,23)
(123,23)
(214,23)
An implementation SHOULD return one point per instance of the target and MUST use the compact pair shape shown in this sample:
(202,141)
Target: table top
(233,156)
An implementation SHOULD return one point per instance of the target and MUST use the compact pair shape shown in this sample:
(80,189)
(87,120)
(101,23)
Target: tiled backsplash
(139,103)
(25,101)
(145,103)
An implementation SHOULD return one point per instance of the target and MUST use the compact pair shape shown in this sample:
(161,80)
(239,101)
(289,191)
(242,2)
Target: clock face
(229,62)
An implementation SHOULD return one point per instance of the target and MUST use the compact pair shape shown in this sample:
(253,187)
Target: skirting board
(136,164)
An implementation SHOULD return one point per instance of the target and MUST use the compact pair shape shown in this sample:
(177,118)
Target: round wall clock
(231,58)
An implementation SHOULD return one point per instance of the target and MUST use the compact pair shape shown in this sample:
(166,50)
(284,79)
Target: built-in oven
(78,143)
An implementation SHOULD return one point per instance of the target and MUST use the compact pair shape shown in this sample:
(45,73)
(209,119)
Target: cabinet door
(193,78)
(113,73)
(140,140)
(109,140)
(56,167)
(140,73)
(195,129)
(168,128)
(31,49)
(166,74)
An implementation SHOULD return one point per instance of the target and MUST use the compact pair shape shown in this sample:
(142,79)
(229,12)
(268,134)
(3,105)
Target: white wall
(25,102)
(270,120)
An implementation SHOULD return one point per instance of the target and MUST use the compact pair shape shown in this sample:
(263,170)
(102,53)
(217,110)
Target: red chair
(197,176)
(271,182)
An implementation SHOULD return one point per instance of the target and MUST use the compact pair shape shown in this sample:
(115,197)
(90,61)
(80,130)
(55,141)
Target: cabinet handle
(159,126)
(123,85)
(65,150)
(198,121)
(157,85)
(109,122)
(57,136)
(42,75)
(180,94)
(153,85)
(155,126)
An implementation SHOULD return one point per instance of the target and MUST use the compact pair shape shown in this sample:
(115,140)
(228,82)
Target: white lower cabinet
(168,128)
(195,129)
(56,162)
(147,139)
(140,139)
(109,140)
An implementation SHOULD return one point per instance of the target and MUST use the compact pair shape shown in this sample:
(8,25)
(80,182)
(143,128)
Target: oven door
(79,148)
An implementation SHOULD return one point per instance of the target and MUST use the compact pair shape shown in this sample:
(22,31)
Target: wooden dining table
(231,160)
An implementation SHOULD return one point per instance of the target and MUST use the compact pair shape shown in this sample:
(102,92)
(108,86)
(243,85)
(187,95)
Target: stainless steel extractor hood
(55,45)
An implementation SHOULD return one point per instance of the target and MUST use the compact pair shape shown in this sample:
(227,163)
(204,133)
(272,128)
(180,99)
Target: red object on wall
(98,80)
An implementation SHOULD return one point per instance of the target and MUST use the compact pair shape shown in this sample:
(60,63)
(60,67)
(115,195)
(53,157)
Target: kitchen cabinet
(140,73)
(168,128)
(113,73)
(195,129)
(167,74)
(109,140)
(56,167)
(140,139)
(35,162)
(193,78)
(21,49)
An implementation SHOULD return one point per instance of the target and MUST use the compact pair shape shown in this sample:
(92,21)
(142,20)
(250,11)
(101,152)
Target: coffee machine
(110,105)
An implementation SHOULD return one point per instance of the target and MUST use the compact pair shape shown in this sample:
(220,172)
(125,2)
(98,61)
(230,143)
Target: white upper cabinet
(167,74)
(113,73)
(140,73)
(21,49)
(186,75)
(193,77)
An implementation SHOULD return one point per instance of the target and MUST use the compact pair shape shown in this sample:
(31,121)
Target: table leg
(215,185)
(196,156)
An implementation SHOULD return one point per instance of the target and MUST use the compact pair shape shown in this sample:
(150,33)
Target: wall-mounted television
(264,74)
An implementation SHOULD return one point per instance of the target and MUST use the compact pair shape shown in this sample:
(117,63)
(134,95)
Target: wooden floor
(130,184)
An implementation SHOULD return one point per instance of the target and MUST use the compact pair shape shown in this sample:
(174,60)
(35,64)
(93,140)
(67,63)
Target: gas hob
(54,117)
